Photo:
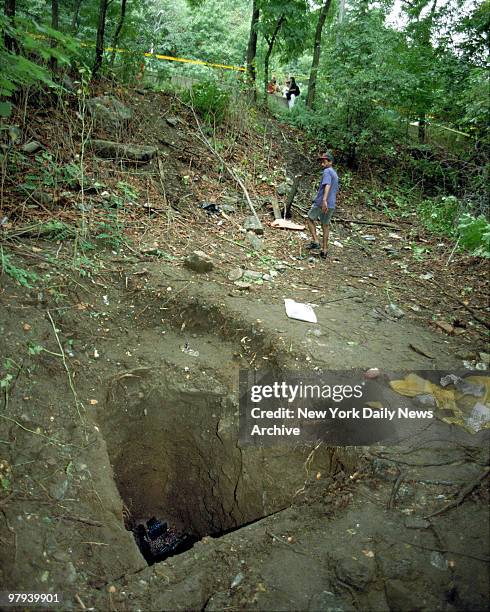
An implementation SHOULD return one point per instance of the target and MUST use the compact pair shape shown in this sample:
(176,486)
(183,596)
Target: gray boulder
(109,112)
(116,150)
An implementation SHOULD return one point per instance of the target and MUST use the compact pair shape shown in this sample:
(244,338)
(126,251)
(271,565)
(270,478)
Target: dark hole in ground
(174,450)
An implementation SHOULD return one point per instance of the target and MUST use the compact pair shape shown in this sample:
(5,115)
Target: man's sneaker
(313,245)
(323,254)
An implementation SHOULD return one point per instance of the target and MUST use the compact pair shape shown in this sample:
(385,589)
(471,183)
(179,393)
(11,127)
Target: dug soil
(119,381)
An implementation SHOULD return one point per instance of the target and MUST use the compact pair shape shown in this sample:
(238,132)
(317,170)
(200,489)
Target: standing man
(324,204)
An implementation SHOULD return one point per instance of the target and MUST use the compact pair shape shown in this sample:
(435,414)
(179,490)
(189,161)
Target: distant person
(292,93)
(273,87)
(323,205)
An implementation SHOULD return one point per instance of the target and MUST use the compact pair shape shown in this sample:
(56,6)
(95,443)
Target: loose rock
(252,275)
(199,262)
(31,147)
(253,224)
(255,241)
(394,311)
(235,274)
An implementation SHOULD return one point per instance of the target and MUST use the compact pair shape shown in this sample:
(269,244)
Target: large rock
(199,262)
(109,112)
(116,150)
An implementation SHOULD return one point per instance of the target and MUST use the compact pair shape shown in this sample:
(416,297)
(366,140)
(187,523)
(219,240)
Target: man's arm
(325,198)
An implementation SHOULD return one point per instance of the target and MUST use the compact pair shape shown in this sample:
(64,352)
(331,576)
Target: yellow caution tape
(168,58)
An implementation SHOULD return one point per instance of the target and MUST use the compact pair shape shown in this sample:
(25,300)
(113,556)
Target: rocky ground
(120,369)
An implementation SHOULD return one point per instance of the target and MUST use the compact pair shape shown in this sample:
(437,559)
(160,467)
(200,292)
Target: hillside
(121,350)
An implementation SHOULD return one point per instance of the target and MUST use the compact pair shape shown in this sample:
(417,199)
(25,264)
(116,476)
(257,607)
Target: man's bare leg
(312,228)
(326,232)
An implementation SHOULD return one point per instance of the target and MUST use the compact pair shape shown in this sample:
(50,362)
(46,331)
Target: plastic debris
(237,580)
(299,311)
(188,351)
(210,207)
(479,418)
(467,388)
(372,373)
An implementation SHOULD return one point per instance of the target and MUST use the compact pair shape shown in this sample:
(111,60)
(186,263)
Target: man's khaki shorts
(316,214)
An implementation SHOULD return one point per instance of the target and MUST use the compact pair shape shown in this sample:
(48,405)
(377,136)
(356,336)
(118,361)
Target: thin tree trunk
(55,24)
(76,15)
(120,24)
(310,99)
(99,45)
(270,43)
(422,128)
(9,10)
(252,50)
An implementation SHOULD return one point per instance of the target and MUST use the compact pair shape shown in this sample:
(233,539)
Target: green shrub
(23,277)
(439,215)
(210,101)
(474,234)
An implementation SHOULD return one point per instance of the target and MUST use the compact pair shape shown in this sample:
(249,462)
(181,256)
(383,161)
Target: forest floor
(120,366)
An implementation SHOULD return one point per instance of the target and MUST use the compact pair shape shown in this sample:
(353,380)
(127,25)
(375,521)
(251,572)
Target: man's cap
(326,155)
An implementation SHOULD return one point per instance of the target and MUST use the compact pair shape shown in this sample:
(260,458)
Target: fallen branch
(462,495)
(447,551)
(79,519)
(360,222)
(230,170)
(78,403)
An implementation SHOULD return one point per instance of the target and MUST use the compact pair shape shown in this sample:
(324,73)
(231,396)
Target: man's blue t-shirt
(329,177)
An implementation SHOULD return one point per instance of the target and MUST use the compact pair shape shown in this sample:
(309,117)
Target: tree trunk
(120,24)
(310,99)
(55,23)
(422,128)
(270,45)
(99,45)
(291,195)
(76,15)
(9,10)
(252,50)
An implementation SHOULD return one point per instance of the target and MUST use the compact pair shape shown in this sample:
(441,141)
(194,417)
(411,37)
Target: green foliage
(439,215)
(27,64)
(52,174)
(474,234)
(22,276)
(210,101)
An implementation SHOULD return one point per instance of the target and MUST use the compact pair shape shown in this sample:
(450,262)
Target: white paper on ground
(297,310)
